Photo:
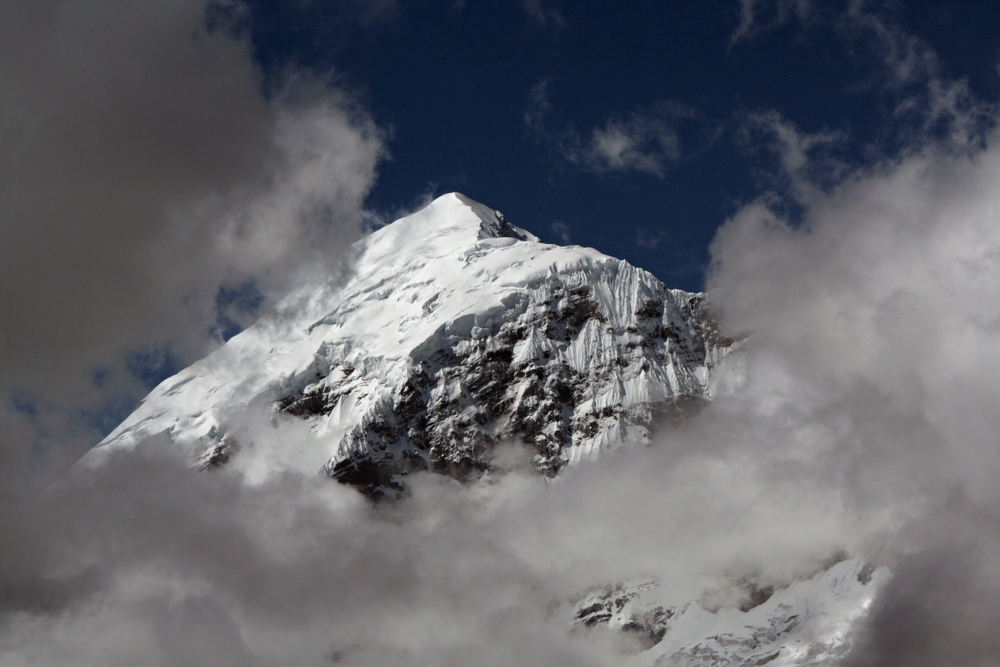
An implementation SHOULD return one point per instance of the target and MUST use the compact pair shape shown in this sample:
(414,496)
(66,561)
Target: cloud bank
(865,424)
(143,169)
(878,314)
(866,421)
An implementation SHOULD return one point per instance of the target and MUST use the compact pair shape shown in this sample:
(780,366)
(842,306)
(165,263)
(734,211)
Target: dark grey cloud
(142,169)
(942,602)
(864,416)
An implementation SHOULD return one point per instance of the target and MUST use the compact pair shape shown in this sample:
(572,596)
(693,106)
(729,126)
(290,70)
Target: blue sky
(501,100)
(171,167)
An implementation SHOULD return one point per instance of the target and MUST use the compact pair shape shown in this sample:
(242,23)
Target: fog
(878,316)
(143,169)
(864,424)
(866,421)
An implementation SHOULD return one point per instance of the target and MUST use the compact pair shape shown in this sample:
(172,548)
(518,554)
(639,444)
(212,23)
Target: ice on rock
(807,622)
(457,330)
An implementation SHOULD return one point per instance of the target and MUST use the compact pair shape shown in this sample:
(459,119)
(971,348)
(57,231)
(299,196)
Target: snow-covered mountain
(808,622)
(458,331)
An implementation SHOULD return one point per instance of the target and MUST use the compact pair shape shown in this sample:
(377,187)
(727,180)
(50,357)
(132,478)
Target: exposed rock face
(807,622)
(555,370)
(627,608)
(457,331)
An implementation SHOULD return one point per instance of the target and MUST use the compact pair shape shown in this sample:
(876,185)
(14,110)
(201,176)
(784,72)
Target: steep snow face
(457,330)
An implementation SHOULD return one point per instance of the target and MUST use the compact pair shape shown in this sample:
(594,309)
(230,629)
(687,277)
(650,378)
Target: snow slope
(456,331)
(809,622)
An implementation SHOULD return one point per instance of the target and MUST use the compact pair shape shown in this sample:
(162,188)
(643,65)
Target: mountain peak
(449,222)
(457,330)
(493,223)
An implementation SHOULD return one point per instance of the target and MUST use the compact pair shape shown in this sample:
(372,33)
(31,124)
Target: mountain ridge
(454,333)
(459,332)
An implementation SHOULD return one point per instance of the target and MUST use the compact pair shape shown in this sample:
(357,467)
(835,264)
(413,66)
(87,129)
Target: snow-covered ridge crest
(456,331)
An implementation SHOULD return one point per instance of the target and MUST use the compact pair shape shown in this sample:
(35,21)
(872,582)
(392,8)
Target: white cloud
(143,169)
(867,422)
(879,312)
(645,141)
(641,142)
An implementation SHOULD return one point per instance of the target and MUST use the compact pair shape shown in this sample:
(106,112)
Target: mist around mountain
(457,332)
(862,430)
(859,450)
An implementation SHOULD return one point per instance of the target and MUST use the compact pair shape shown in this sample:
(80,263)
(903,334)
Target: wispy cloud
(928,101)
(539,108)
(641,142)
(908,70)
(759,16)
(561,230)
(650,238)
(543,13)
(807,162)
(145,169)
(644,141)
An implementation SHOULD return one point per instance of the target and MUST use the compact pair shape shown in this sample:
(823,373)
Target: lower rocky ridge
(808,622)
(550,372)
